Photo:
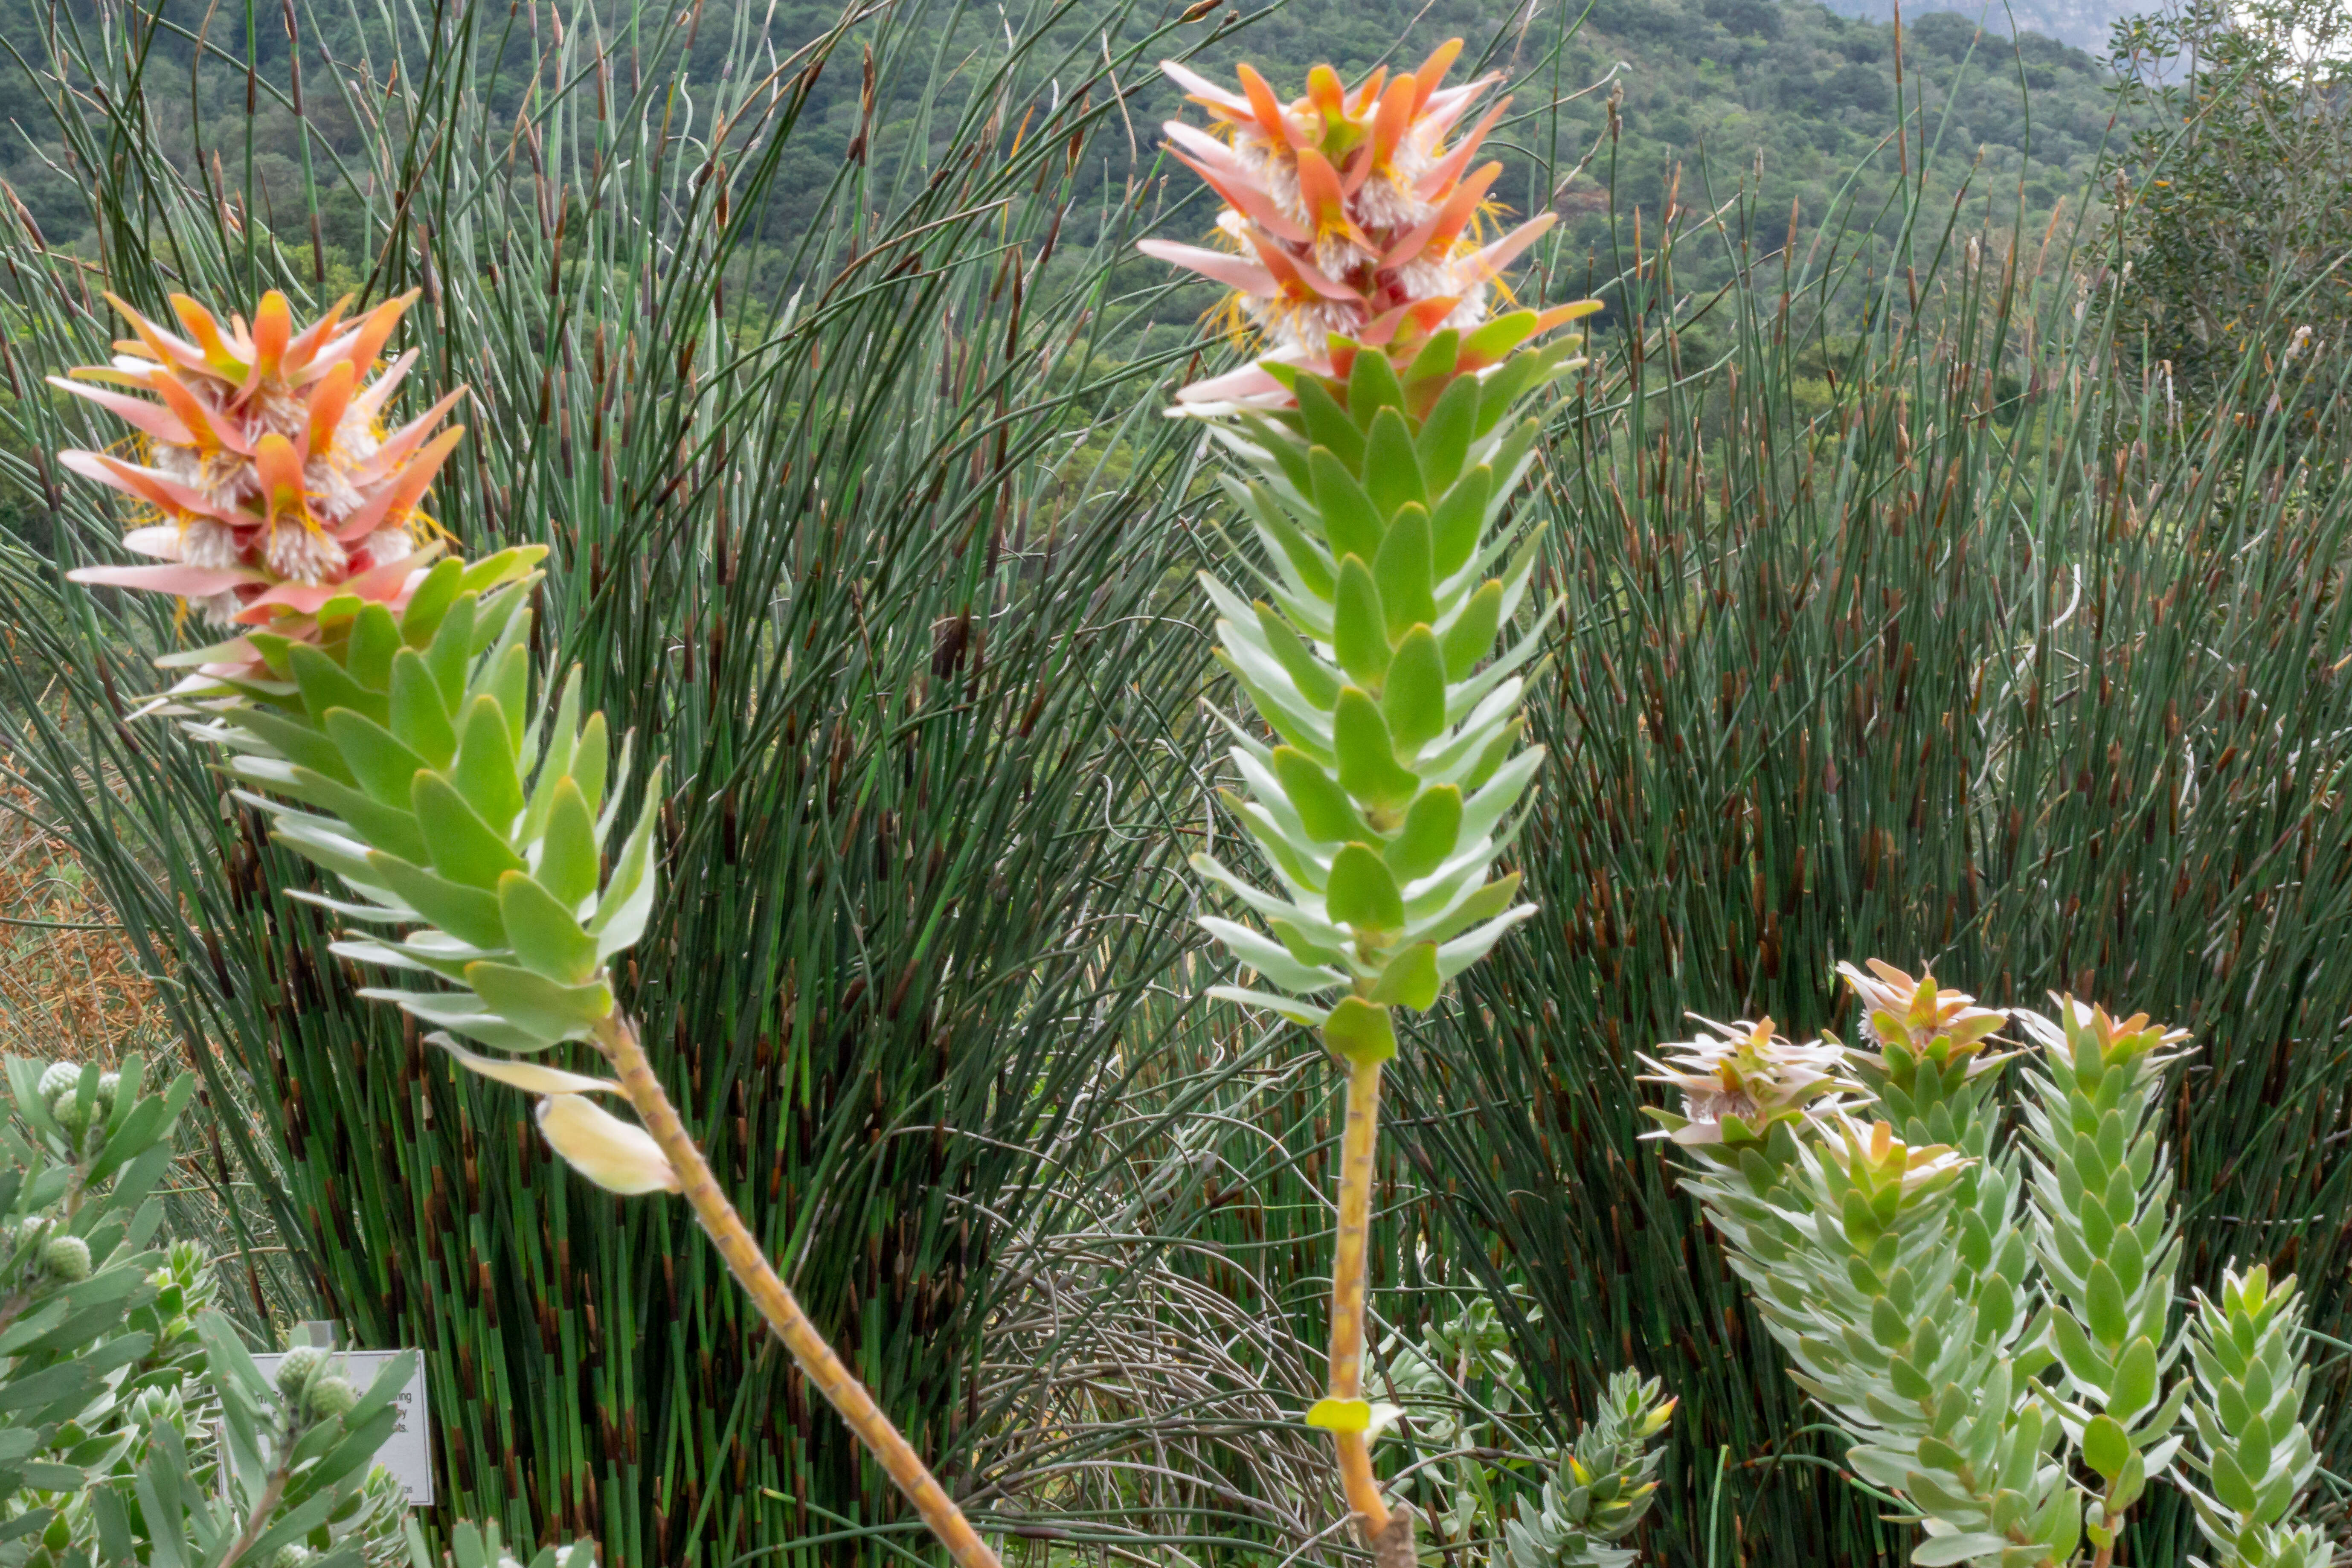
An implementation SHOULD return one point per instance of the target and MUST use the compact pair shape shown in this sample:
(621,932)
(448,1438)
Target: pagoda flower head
(2088,1039)
(278,494)
(1871,1160)
(1352,219)
(1738,1084)
(1911,1021)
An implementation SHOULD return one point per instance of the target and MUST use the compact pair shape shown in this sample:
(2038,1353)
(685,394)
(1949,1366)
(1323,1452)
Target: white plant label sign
(407,1454)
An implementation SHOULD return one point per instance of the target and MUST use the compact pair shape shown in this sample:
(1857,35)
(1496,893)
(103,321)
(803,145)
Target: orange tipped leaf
(151,418)
(279,466)
(1432,71)
(1265,107)
(331,398)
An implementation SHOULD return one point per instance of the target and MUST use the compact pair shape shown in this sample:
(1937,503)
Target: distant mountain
(2084,23)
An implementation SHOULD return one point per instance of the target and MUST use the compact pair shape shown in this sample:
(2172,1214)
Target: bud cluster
(1603,1488)
(1738,1086)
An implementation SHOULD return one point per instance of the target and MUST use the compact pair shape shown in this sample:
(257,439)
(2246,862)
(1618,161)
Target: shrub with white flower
(1989,1317)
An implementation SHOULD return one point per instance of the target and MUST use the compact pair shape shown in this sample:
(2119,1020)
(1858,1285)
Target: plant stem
(273,1492)
(1347,1376)
(618,1038)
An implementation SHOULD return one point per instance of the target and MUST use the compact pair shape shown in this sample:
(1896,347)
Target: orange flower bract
(1350,220)
(278,488)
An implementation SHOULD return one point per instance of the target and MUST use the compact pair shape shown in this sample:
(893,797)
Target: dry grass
(69,986)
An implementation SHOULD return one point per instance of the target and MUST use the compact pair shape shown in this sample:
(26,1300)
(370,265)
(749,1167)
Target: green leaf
(1471,638)
(419,719)
(1289,1008)
(539,1005)
(2107,1448)
(451,654)
(1402,571)
(1372,385)
(2230,1485)
(375,638)
(378,825)
(466,914)
(1432,825)
(2081,1358)
(1282,443)
(568,850)
(591,758)
(1268,956)
(509,682)
(554,758)
(1435,362)
(1410,979)
(1359,1031)
(497,619)
(1322,805)
(1368,764)
(544,936)
(2134,1389)
(465,847)
(303,742)
(1359,628)
(383,767)
(1299,944)
(1446,434)
(1314,681)
(1942,1550)
(1362,892)
(1351,526)
(620,913)
(1298,723)
(1413,700)
(1306,557)
(1509,382)
(486,773)
(325,685)
(429,601)
(511,564)
(1391,468)
(1458,519)
(2104,1311)
(1328,424)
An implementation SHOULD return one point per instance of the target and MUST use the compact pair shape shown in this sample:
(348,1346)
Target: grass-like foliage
(853,560)
(1941,641)
(1932,638)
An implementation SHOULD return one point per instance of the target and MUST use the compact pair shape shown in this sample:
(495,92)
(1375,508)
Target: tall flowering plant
(378,701)
(1378,443)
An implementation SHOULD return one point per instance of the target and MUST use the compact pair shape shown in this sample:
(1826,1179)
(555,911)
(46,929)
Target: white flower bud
(330,1397)
(300,1367)
(66,1258)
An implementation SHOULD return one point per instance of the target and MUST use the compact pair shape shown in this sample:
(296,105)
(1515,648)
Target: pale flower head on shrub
(1744,1080)
(1913,1021)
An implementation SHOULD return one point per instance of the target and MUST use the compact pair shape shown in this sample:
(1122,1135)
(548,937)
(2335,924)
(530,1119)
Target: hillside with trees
(1785,95)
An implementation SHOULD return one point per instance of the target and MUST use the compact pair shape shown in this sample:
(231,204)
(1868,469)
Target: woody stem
(1347,1373)
(618,1040)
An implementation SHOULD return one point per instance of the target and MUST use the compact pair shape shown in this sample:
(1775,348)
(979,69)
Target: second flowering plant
(1384,629)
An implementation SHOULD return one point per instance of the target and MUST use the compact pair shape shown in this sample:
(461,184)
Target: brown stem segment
(1346,1381)
(618,1040)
